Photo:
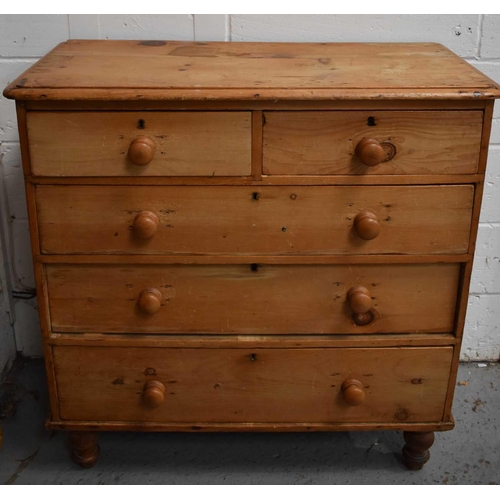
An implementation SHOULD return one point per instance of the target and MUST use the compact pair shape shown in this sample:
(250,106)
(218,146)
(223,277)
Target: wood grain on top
(132,69)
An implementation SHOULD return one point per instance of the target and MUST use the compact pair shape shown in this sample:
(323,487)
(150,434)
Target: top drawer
(94,144)
(395,142)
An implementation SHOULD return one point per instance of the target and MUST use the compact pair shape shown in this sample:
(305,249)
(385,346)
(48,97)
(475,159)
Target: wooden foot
(416,450)
(84,448)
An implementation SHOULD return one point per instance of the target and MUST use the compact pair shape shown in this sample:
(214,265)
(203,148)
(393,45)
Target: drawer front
(248,220)
(407,142)
(118,144)
(260,385)
(263,299)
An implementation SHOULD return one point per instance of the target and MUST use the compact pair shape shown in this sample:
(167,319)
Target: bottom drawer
(257,385)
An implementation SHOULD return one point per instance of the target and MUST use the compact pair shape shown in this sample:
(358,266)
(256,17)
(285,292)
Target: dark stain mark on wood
(118,381)
(402,415)
(152,43)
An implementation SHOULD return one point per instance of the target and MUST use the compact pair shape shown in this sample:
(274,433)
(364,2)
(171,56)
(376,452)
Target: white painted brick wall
(151,27)
(490,38)
(458,32)
(23,39)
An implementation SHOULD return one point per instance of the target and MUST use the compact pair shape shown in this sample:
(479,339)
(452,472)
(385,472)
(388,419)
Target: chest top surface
(141,70)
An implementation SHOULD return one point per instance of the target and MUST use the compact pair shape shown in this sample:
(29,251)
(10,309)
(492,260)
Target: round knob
(367,225)
(141,150)
(370,152)
(363,319)
(353,392)
(145,225)
(359,299)
(150,300)
(153,394)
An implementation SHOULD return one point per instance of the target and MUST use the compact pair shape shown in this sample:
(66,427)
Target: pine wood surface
(324,142)
(260,385)
(274,119)
(247,221)
(251,299)
(116,426)
(239,105)
(137,70)
(266,180)
(253,341)
(95,143)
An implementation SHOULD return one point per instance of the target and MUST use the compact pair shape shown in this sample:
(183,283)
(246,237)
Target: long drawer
(247,220)
(140,143)
(259,385)
(401,142)
(253,299)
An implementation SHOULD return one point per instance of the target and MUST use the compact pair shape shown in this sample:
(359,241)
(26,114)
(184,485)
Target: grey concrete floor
(470,454)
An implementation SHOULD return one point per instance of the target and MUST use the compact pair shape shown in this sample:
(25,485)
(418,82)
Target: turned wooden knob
(367,225)
(359,299)
(353,392)
(141,150)
(370,152)
(145,225)
(149,301)
(153,394)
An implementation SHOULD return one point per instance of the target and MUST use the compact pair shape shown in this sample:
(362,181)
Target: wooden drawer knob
(367,225)
(353,392)
(141,150)
(370,152)
(145,225)
(359,299)
(153,394)
(150,300)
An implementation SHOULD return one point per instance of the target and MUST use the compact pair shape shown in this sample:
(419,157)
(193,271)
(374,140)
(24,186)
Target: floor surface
(470,454)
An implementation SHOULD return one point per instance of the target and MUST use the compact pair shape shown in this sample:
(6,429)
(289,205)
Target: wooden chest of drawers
(256,237)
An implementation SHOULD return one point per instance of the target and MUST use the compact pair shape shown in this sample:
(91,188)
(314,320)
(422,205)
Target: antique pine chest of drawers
(252,237)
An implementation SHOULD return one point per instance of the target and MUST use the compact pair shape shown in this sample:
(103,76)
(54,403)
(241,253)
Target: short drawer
(253,299)
(260,385)
(395,142)
(247,220)
(140,143)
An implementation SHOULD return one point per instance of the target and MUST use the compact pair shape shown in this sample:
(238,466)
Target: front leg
(84,448)
(416,450)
